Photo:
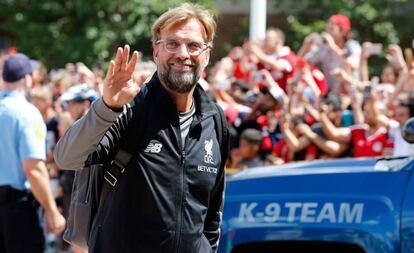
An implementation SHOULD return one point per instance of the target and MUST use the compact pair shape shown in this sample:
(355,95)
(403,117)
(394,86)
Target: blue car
(347,205)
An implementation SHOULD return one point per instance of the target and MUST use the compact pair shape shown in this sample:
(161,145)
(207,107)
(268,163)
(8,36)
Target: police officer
(24,179)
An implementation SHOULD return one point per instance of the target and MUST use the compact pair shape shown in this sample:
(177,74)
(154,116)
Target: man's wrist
(51,209)
(120,109)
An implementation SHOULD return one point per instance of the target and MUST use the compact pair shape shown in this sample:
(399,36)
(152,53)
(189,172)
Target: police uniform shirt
(22,137)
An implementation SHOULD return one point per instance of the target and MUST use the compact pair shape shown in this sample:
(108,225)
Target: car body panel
(354,201)
(407,218)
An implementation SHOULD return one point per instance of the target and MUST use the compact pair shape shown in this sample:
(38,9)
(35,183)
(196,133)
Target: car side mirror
(408,131)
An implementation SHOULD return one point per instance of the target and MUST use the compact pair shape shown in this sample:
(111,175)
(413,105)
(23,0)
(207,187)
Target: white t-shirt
(401,147)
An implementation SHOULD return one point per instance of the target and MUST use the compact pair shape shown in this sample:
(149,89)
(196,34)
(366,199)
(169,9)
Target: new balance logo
(153,148)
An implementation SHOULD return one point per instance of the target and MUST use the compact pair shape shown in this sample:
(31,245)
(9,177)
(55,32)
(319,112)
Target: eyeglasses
(194,48)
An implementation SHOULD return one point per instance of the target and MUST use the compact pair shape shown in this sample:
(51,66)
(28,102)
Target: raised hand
(119,87)
(313,38)
(395,57)
(329,41)
(366,49)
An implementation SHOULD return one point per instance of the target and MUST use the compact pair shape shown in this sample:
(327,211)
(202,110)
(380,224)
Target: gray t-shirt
(330,60)
(186,118)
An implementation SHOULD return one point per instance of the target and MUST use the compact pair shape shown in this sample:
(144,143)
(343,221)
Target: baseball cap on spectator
(16,67)
(79,92)
(341,21)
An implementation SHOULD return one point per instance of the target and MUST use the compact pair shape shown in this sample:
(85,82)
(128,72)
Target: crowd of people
(317,103)
(281,106)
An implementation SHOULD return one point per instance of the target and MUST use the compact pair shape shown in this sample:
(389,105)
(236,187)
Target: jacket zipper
(181,188)
(181,192)
(180,203)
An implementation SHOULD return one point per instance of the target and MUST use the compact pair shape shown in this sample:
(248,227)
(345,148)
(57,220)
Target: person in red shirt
(294,146)
(310,79)
(236,54)
(368,145)
(367,137)
(274,56)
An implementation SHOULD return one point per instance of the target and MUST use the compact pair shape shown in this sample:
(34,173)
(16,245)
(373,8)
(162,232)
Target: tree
(58,31)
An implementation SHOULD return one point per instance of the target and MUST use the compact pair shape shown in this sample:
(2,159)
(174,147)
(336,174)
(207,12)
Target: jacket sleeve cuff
(104,112)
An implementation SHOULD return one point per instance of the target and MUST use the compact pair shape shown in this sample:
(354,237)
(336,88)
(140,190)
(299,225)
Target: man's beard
(180,82)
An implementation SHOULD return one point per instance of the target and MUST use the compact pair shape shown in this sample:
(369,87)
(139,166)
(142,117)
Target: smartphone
(367,92)
(375,49)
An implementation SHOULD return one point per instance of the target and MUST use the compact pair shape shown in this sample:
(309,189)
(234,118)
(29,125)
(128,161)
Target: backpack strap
(113,172)
(222,133)
(121,159)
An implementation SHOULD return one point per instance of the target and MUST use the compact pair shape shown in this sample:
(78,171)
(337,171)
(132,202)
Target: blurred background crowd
(319,101)
(282,106)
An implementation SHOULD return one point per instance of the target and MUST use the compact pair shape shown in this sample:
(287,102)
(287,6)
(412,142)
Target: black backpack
(93,183)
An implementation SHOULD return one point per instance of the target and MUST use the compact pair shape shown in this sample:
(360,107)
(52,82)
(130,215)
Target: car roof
(349,165)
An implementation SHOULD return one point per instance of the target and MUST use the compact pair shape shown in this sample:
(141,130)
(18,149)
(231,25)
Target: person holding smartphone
(403,112)
(274,56)
(334,48)
(368,137)
(390,71)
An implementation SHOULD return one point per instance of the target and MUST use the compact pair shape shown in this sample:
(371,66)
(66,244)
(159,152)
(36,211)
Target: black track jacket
(170,198)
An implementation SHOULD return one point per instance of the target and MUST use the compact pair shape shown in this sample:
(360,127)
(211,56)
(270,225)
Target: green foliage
(383,21)
(386,21)
(60,31)
(241,32)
